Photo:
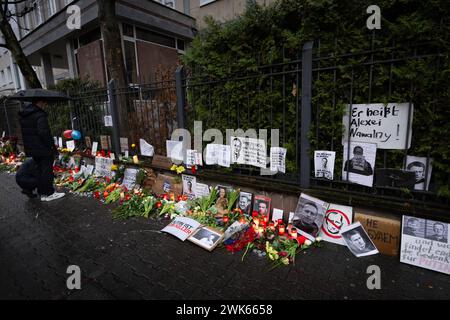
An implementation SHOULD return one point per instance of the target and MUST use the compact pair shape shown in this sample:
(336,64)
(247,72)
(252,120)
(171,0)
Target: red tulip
(158,204)
(105,194)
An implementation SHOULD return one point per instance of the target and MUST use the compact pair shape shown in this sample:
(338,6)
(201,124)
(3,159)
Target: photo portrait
(245,202)
(309,215)
(206,237)
(359,163)
(413,226)
(418,165)
(261,204)
(189,186)
(358,241)
(436,231)
(324,164)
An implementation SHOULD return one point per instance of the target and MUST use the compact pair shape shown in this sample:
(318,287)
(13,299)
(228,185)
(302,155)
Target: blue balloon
(76,135)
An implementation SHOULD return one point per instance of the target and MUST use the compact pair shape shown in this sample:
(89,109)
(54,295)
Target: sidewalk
(133,260)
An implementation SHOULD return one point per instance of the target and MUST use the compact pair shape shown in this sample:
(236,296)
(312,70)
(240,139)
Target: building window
(90,36)
(180,44)
(51,7)
(37,11)
(127,30)
(9,75)
(130,60)
(168,3)
(154,37)
(203,2)
(2,77)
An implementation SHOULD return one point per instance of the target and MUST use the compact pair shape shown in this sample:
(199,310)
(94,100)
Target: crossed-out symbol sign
(334,221)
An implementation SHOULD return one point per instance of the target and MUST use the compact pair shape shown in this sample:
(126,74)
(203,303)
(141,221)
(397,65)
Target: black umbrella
(39,94)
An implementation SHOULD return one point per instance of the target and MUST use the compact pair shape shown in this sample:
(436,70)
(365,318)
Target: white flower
(308,242)
(318,239)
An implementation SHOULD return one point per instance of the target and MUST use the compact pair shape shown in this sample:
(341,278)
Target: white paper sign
(361,165)
(60,142)
(70,145)
(175,150)
(277,214)
(55,140)
(193,158)
(129,178)
(123,144)
(425,244)
(3,135)
(182,227)
(278,159)
(324,164)
(250,151)
(336,218)
(87,170)
(418,165)
(202,190)
(108,121)
(146,148)
(94,148)
(224,155)
(386,126)
(189,186)
(103,167)
(211,152)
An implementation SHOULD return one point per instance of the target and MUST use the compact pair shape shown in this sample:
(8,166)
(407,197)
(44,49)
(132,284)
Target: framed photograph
(245,202)
(262,205)
(358,241)
(189,186)
(207,238)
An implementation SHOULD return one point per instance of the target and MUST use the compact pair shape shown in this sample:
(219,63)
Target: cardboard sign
(425,243)
(384,125)
(182,227)
(129,178)
(161,162)
(383,230)
(167,184)
(103,167)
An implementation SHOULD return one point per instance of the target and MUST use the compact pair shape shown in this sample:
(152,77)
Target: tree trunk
(115,65)
(13,45)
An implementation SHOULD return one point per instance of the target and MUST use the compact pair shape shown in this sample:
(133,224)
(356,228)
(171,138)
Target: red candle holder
(281,229)
(225,219)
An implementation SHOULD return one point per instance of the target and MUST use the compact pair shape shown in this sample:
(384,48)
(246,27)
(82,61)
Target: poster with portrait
(261,204)
(189,186)
(245,202)
(309,215)
(425,243)
(418,165)
(278,159)
(250,151)
(359,163)
(358,241)
(324,164)
(336,217)
(384,125)
(207,237)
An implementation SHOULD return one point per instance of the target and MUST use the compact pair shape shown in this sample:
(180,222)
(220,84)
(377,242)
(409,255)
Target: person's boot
(54,196)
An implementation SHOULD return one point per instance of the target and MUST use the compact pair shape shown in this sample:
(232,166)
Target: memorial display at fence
(146,148)
(357,240)
(103,167)
(324,164)
(336,218)
(386,126)
(250,151)
(189,186)
(245,202)
(359,163)
(418,165)
(278,159)
(309,215)
(425,243)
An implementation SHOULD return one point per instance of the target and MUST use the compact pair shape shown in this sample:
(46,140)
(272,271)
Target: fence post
(305,161)
(181,97)
(114,116)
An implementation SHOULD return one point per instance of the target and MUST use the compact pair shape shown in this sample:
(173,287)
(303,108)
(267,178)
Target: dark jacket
(37,139)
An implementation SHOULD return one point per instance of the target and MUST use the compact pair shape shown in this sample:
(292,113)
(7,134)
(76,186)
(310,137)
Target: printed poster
(418,165)
(250,151)
(324,164)
(182,227)
(359,163)
(336,218)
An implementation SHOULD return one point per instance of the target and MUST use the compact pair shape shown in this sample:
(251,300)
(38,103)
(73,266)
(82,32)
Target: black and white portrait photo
(207,238)
(245,202)
(309,215)
(359,163)
(358,241)
(436,231)
(324,164)
(236,148)
(418,166)
(413,226)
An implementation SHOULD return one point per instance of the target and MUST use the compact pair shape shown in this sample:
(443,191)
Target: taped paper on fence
(324,164)
(360,163)
(146,148)
(250,151)
(278,159)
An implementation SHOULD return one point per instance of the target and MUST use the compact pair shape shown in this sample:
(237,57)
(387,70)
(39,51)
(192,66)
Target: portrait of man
(245,202)
(358,164)
(419,170)
(262,205)
(413,228)
(237,146)
(357,240)
(305,219)
(334,222)
(439,232)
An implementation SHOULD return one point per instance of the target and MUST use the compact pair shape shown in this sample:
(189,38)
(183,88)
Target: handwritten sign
(193,158)
(103,167)
(384,125)
(278,159)
(425,244)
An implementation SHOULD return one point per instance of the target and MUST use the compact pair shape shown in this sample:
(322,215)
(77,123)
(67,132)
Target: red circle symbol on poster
(334,221)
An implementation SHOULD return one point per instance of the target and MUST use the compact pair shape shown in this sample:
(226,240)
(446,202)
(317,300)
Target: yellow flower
(285,260)
(114,167)
(133,146)
(173,167)
(180,169)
